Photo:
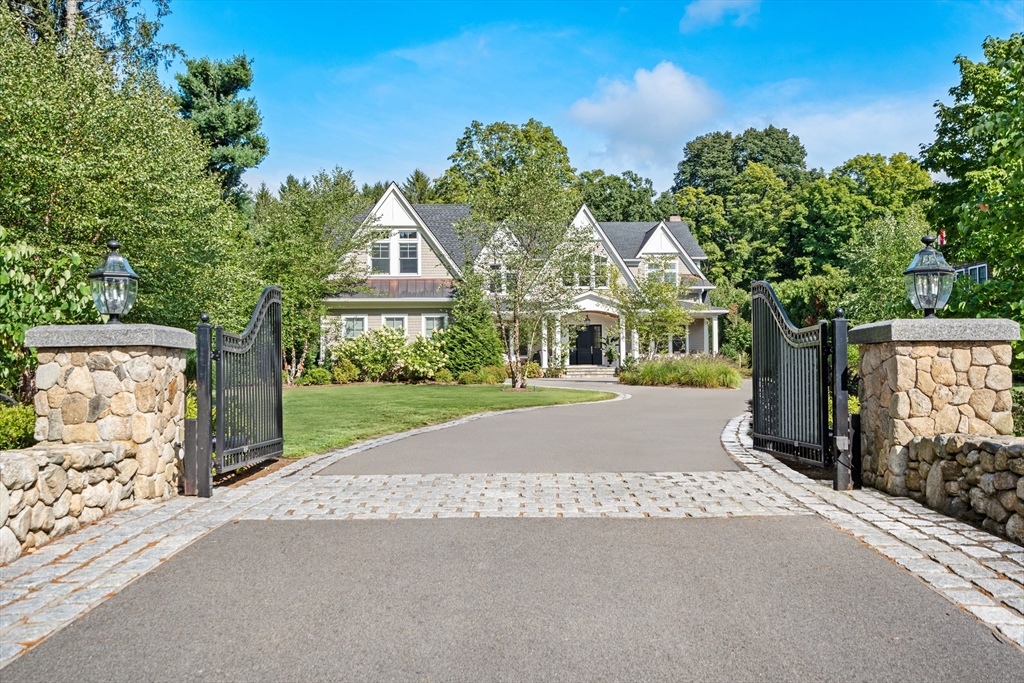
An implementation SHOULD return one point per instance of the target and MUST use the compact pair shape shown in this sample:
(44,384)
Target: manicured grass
(319,419)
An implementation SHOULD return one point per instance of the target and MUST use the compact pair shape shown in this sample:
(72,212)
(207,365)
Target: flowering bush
(383,354)
(345,372)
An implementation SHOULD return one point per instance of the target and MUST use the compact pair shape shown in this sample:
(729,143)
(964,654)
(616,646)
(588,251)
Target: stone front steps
(578,371)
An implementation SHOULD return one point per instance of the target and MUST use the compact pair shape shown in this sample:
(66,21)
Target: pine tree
(471,341)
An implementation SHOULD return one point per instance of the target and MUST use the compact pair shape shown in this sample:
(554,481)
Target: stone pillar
(115,384)
(922,378)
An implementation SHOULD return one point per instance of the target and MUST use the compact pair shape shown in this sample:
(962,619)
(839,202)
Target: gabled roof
(440,219)
(629,238)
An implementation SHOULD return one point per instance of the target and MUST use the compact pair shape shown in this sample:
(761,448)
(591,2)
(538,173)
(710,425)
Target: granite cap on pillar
(67,336)
(936,330)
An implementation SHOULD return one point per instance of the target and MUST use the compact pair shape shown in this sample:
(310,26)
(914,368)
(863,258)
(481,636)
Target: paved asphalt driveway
(774,599)
(659,429)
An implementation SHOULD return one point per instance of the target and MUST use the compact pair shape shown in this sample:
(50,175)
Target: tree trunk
(70,16)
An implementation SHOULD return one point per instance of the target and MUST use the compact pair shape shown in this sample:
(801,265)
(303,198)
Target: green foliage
(712,162)
(511,173)
(90,151)
(373,193)
(813,297)
(533,370)
(209,100)
(493,374)
(1017,396)
(17,426)
(419,188)
(991,299)
(471,340)
(126,34)
(709,372)
(652,308)
(315,376)
(33,291)
(876,261)
(444,376)
(468,377)
(299,240)
(345,372)
(554,372)
(737,332)
(384,355)
(617,198)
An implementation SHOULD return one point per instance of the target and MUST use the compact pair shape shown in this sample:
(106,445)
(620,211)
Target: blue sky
(384,88)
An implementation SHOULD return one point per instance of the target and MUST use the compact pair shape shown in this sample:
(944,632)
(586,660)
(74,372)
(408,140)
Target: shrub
(345,372)
(693,371)
(533,370)
(423,358)
(472,340)
(17,426)
(315,377)
(493,374)
(444,376)
(468,377)
(555,371)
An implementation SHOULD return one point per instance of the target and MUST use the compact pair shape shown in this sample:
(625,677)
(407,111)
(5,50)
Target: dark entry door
(588,346)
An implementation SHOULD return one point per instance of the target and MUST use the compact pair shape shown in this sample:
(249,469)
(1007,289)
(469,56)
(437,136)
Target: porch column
(636,343)
(670,343)
(622,340)
(558,342)
(544,343)
(705,335)
(686,343)
(714,335)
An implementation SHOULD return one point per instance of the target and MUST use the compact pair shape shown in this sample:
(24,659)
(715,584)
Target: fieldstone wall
(921,389)
(975,478)
(49,491)
(130,397)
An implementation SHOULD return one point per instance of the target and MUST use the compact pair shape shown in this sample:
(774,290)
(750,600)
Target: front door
(588,347)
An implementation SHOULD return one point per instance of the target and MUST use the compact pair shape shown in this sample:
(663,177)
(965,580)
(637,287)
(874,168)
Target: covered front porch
(595,334)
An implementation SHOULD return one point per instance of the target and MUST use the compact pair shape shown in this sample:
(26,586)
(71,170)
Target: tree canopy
(209,99)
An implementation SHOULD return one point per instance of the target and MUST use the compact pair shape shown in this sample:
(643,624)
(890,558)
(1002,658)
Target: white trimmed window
(408,252)
(667,269)
(600,271)
(395,322)
(353,326)
(381,258)
(434,323)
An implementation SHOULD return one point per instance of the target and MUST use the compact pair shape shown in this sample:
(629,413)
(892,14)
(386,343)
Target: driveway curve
(659,429)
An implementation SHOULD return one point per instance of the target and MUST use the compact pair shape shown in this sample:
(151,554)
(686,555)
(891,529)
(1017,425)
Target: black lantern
(929,279)
(114,285)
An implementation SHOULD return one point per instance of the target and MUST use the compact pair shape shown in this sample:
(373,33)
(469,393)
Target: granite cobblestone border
(975,570)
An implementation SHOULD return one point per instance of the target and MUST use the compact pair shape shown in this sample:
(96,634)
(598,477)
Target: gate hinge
(842,443)
(215,355)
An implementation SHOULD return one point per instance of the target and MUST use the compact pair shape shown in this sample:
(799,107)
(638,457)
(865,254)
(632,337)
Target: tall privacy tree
(209,98)
(302,239)
(521,187)
(124,32)
(979,145)
(91,151)
(419,188)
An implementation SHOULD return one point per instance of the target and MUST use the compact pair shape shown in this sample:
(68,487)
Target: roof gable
(434,221)
(584,218)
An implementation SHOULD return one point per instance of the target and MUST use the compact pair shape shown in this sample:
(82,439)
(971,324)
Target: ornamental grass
(708,372)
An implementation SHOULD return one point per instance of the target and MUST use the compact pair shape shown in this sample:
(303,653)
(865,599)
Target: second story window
(381,257)
(600,271)
(666,269)
(408,252)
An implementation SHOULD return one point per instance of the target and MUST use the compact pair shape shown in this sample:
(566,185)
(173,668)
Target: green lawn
(319,419)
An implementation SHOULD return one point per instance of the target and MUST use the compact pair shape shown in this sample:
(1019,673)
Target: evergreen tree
(419,188)
(209,99)
(471,340)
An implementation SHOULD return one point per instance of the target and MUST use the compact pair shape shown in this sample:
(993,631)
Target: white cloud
(651,117)
(702,13)
(833,134)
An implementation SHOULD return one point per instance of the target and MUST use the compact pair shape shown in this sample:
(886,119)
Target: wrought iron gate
(795,372)
(239,418)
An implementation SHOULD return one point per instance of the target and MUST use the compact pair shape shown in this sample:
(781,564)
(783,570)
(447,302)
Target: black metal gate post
(843,479)
(204,407)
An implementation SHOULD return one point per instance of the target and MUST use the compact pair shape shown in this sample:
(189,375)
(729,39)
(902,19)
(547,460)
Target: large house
(415,263)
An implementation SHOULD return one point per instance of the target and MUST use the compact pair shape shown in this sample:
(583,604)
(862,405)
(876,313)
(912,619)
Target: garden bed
(708,372)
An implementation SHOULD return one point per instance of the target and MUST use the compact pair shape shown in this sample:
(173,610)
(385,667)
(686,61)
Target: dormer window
(408,252)
(669,270)
(381,258)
